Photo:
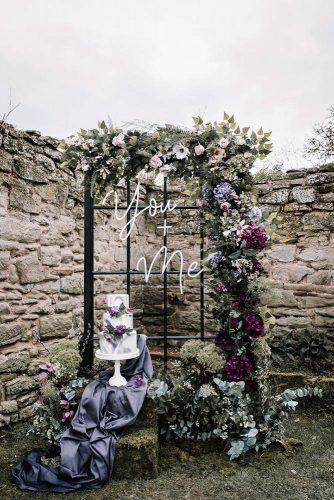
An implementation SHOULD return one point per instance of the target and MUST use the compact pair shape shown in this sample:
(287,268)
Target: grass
(297,472)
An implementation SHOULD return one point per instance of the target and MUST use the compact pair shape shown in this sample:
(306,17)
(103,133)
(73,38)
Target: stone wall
(41,261)
(300,264)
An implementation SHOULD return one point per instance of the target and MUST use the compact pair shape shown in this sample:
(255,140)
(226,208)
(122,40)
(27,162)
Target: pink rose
(225,206)
(118,140)
(199,149)
(155,161)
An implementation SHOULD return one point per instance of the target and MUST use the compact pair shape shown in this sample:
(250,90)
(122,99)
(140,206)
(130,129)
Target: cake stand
(117,379)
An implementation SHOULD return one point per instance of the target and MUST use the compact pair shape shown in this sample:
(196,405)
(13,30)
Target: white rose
(223,142)
(240,141)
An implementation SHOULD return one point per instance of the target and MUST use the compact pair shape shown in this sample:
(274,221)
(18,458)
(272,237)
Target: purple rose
(253,324)
(64,404)
(137,380)
(224,342)
(237,367)
(120,329)
(254,237)
(113,311)
(234,322)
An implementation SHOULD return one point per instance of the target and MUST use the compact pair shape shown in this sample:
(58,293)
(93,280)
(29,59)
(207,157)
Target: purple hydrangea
(224,192)
(206,192)
(215,258)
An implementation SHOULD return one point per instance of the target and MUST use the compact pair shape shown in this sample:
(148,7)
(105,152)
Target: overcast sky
(70,63)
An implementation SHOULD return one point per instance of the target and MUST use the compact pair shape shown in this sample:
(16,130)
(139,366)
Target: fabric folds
(88,446)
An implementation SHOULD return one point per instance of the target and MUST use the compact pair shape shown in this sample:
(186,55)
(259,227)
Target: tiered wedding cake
(117,335)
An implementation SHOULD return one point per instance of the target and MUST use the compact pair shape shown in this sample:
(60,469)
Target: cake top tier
(117,299)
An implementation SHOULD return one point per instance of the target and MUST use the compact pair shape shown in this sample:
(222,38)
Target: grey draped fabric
(88,446)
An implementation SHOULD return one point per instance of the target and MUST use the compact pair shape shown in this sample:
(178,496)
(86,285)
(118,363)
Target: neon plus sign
(165,227)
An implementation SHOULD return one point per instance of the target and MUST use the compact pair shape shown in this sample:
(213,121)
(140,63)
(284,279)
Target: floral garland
(215,159)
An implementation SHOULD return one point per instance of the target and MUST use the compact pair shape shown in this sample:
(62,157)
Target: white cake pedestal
(117,379)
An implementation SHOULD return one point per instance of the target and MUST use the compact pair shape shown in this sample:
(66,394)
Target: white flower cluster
(206,390)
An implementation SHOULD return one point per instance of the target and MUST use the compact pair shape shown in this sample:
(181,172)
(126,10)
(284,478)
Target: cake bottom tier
(126,345)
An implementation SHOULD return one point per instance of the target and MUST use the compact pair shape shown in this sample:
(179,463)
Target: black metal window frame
(87,344)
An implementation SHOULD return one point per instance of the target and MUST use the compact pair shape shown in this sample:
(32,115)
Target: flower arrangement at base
(197,402)
(59,394)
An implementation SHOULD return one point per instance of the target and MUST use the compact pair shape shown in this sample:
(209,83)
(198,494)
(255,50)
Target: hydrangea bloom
(254,237)
(224,192)
(215,258)
(253,323)
(206,192)
(237,367)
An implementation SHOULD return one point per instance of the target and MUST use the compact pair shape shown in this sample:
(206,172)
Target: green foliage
(269,173)
(206,356)
(66,355)
(308,350)
(197,404)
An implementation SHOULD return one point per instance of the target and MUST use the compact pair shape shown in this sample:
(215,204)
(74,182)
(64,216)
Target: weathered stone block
(18,229)
(20,385)
(303,195)
(30,170)
(283,253)
(27,412)
(290,272)
(30,269)
(55,326)
(325,277)
(279,196)
(7,407)
(23,198)
(14,362)
(6,161)
(54,193)
(11,332)
(50,255)
(72,284)
(293,321)
(4,199)
(318,220)
(320,178)
(278,298)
